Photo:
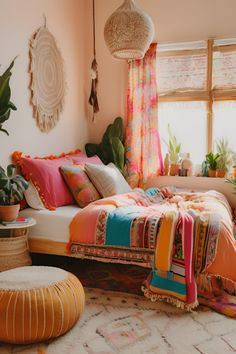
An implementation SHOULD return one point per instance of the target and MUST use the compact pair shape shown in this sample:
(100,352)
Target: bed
(185,238)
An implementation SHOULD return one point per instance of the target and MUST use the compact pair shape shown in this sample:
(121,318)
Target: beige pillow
(107,179)
(32,197)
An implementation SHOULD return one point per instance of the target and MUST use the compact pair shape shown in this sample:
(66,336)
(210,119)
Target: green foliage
(12,186)
(232,181)
(173,147)
(224,162)
(211,160)
(111,149)
(5,95)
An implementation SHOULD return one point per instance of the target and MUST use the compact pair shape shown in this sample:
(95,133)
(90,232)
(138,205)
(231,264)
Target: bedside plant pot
(220,173)
(174,169)
(9,212)
(211,173)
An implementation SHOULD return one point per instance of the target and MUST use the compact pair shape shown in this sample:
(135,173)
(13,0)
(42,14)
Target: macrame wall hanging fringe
(93,100)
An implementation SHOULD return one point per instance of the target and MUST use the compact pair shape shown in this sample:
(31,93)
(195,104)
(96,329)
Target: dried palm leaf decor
(47,79)
(128,32)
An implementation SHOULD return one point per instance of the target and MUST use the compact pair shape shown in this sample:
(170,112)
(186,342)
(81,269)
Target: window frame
(210,94)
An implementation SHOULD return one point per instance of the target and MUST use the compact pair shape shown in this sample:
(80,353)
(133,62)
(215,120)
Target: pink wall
(182,20)
(18,21)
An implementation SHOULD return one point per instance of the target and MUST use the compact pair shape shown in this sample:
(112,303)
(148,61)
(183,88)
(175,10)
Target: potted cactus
(12,187)
(5,95)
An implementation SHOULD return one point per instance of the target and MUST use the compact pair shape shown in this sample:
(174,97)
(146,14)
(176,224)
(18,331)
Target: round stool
(38,303)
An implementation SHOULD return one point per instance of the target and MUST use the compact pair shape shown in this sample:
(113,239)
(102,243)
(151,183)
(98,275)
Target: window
(197,94)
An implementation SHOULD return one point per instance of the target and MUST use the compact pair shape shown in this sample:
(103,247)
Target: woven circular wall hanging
(47,79)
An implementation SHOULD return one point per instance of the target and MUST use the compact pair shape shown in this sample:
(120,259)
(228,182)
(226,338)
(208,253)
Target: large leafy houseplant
(5,95)
(12,187)
(111,148)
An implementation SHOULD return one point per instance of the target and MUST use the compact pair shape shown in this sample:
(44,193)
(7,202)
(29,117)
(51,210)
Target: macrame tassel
(170,300)
(93,100)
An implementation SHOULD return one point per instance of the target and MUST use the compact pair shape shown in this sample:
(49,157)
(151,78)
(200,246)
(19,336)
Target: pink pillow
(81,159)
(46,177)
(80,185)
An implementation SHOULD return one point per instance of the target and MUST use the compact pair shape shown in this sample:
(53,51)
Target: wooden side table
(14,249)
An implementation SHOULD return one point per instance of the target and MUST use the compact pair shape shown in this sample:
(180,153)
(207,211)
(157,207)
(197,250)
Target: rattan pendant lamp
(128,32)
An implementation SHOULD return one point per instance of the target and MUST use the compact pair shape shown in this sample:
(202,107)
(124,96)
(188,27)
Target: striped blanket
(179,236)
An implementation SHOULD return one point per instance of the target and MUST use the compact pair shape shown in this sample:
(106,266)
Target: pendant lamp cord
(93,100)
(94,32)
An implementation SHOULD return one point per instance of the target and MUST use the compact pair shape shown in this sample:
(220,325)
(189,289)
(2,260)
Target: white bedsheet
(51,225)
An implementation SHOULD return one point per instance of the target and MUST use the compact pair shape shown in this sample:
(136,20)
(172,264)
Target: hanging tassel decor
(93,100)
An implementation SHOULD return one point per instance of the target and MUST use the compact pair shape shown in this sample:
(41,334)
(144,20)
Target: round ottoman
(38,303)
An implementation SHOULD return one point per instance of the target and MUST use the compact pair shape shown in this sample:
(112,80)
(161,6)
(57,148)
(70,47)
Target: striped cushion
(38,303)
(107,179)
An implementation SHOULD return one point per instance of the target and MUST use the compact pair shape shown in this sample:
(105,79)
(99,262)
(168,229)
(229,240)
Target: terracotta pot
(211,173)
(9,212)
(234,172)
(220,173)
(174,169)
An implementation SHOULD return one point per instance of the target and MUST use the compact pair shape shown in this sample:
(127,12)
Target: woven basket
(14,252)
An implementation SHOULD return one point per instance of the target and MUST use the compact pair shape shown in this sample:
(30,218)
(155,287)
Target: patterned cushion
(107,179)
(79,184)
(38,303)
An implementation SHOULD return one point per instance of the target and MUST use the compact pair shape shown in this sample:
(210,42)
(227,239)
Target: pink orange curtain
(143,149)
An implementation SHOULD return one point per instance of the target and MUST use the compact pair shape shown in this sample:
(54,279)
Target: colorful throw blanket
(181,231)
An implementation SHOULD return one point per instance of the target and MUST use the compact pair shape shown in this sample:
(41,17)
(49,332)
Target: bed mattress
(51,225)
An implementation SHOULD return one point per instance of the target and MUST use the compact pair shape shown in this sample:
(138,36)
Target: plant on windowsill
(232,181)
(12,187)
(174,153)
(5,94)
(234,164)
(224,161)
(211,161)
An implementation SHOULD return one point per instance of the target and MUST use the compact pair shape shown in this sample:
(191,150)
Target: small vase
(220,173)
(174,169)
(211,173)
(9,212)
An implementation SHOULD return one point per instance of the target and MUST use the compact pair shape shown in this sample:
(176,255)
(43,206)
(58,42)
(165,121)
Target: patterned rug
(115,322)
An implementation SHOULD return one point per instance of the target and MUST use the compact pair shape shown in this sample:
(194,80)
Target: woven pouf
(38,303)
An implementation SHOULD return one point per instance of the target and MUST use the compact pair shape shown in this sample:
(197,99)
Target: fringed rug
(115,322)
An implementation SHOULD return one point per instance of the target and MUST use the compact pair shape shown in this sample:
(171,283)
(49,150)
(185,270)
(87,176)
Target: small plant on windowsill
(232,181)
(211,161)
(12,187)
(174,149)
(224,161)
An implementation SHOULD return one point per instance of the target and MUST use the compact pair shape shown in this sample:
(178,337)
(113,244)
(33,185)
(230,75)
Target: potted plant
(234,164)
(232,181)
(174,153)
(12,187)
(5,94)
(211,160)
(224,161)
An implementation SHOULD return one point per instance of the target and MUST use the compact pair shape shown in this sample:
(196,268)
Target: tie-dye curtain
(143,149)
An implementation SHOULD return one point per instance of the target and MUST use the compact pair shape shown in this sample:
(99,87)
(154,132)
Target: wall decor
(93,99)
(47,79)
